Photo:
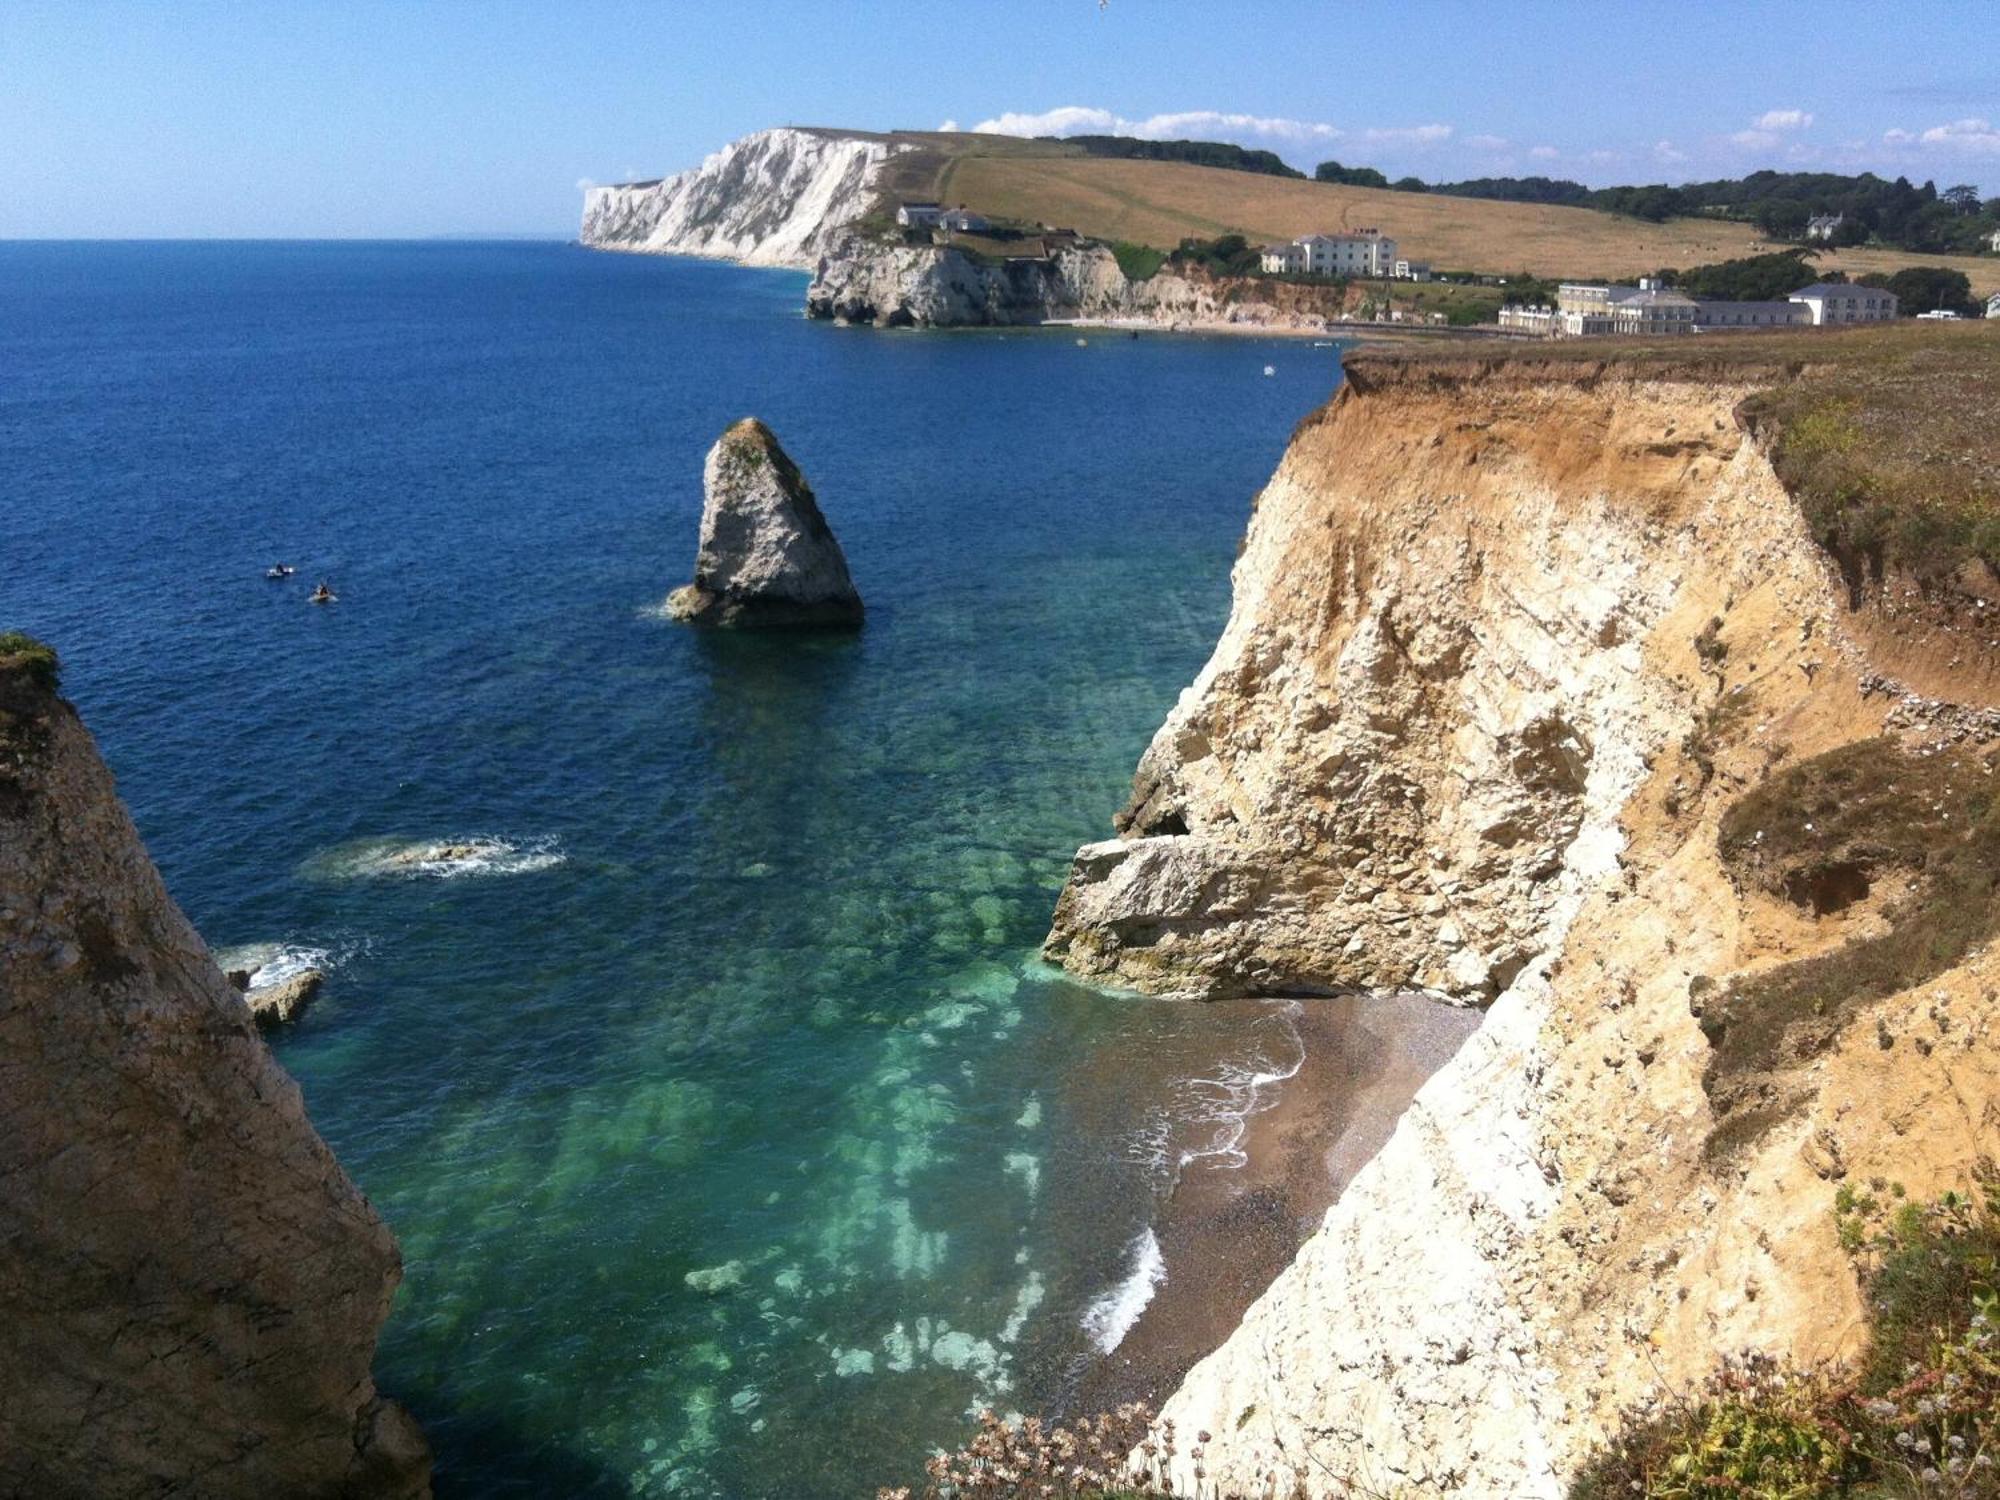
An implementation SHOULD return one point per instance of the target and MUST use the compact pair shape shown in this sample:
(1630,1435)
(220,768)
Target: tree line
(1898,213)
(1231,158)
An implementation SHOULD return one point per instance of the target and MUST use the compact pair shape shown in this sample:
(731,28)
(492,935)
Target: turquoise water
(735,1140)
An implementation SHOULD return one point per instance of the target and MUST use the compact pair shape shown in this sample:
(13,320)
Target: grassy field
(1161,203)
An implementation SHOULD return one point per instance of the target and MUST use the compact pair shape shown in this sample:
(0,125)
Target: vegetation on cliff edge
(1823,835)
(1919,1416)
(22,653)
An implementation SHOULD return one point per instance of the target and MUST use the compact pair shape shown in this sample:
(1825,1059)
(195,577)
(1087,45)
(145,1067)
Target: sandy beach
(1235,1219)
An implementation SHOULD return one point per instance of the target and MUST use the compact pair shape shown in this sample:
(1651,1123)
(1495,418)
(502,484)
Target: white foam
(437,859)
(1235,1095)
(1111,1316)
(274,963)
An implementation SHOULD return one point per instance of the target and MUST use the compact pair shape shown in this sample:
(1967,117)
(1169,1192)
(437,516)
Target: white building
(964,221)
(1411,270)
(1653,310)
(1824,226)
(918,215)
(1841,302)
(1366,253)
(1282,260)
(1993,242)
(1585,309)
(1993,306)
(1714,317)
(1543,322)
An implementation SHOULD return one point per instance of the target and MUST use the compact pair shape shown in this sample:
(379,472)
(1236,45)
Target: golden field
(1161,203)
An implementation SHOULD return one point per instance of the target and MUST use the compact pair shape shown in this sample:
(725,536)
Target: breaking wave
(1111,1316)
(274,963)
(437,859)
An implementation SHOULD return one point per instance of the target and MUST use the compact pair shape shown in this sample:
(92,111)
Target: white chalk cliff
(1508,642)
(779,197)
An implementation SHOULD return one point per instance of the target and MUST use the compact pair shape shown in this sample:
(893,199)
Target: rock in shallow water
(767,556)
(275,1004)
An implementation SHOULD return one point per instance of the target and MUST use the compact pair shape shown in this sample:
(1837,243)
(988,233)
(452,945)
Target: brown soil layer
(1228,1228)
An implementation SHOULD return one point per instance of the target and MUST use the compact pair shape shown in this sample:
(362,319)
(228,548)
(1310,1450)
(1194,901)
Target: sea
(736,1138)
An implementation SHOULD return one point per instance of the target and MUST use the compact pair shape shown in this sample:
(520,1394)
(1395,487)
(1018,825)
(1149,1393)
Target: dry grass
(1162,203)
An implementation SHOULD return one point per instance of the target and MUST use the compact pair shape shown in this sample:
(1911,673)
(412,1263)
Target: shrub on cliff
(1138,262)
(1116,1455)
(20,652)
(1921,1415)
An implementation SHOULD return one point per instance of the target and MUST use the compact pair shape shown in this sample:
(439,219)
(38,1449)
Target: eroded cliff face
(938,286)
(776,198)
(190,1287)
(1506,647)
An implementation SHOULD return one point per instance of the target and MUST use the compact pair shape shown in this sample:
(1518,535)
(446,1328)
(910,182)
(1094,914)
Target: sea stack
(767,556)
(190,1286)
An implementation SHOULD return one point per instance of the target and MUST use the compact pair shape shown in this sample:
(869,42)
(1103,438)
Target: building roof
(1838,289)
(1720,304)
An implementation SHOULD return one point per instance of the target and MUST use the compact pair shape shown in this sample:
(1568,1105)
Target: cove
(735,1139)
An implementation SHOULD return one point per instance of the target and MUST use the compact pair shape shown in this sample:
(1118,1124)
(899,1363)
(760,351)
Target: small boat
(323,594)
(1270,369)
(1080,343)
(277,572)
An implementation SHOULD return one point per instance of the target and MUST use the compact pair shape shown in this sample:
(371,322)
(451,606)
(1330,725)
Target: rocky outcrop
(767,556)
(190,1287)
(895,285)
(282,1002)
(776,198)
(1507,643)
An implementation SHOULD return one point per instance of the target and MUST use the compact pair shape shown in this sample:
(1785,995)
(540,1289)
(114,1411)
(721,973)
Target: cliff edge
(1539,690)
(191,1287)
(779,197)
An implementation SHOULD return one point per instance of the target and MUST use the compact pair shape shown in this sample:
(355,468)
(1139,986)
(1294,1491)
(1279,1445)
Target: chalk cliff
(1508,644)
(190,1287)
(862,280)
(776,198)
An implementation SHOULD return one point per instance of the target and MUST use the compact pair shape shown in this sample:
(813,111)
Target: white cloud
(1976,135)
(1407,135)
(1487,142)
(1755,140)
(1076,119)
(1668,153)
(949,126)
(1783,119)
(1544,153)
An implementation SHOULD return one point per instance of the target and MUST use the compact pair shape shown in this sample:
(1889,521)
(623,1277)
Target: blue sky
(367,117)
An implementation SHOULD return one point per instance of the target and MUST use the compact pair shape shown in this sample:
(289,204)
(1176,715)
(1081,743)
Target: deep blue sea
(736,1140)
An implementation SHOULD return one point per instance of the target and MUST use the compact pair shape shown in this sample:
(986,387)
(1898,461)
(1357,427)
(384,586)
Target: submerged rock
(191,1286)
(767,556)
